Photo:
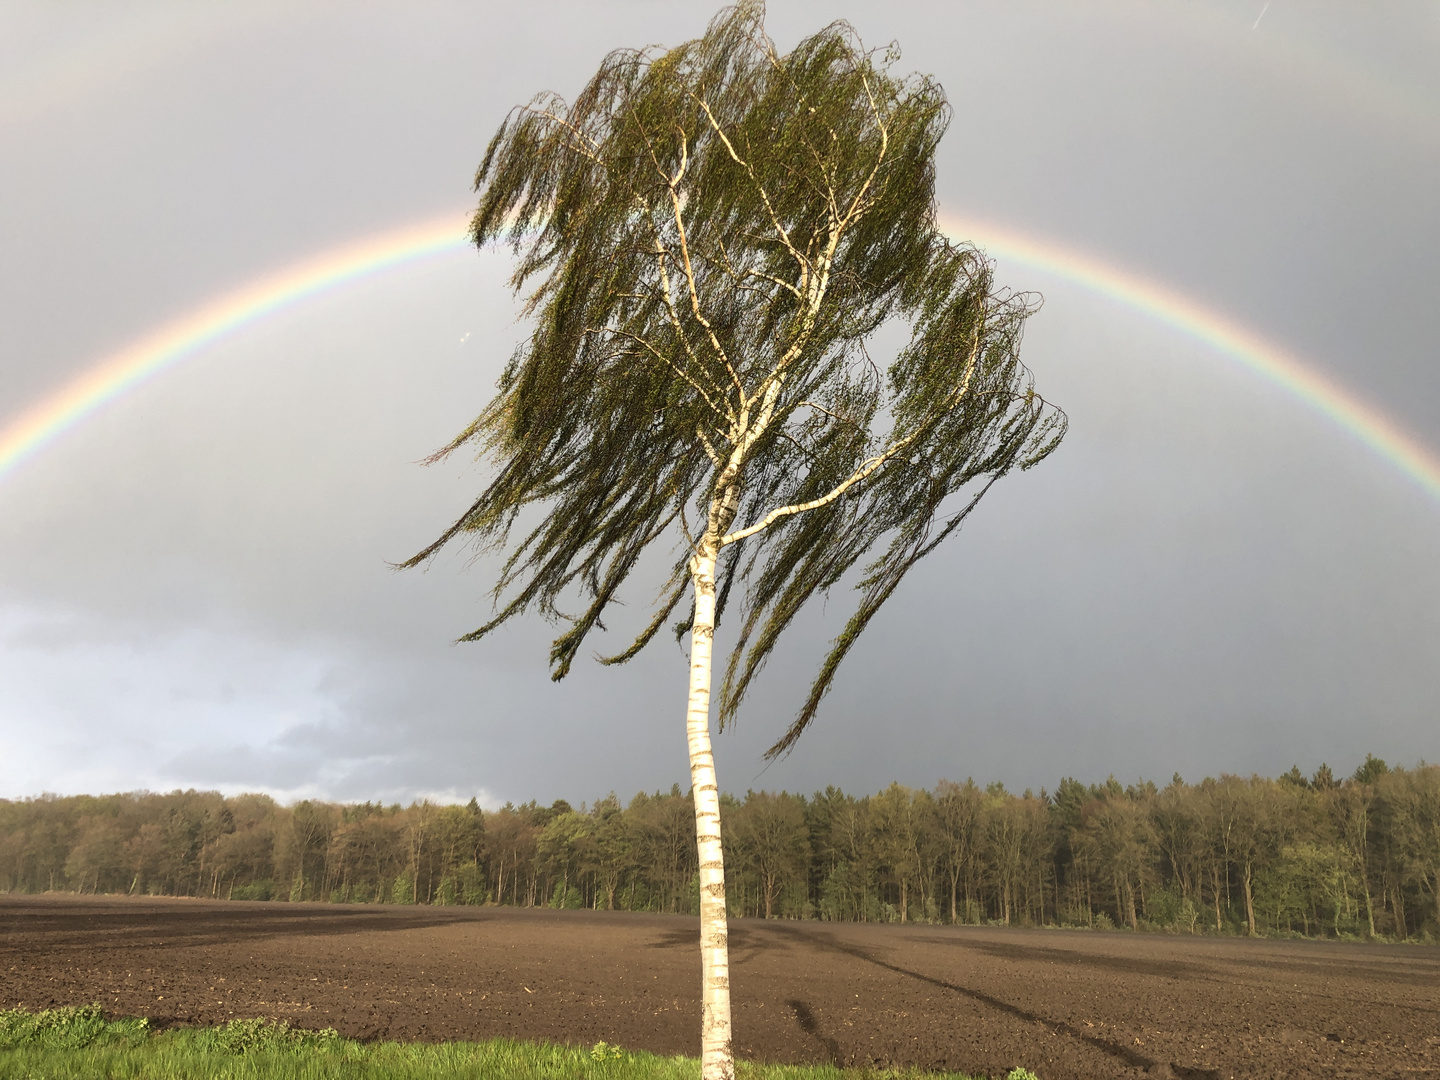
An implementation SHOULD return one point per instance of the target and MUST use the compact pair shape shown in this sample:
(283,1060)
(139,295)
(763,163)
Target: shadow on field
(744,944)
(180,923)
(1107,1046)
(805,1017)
(1172,969)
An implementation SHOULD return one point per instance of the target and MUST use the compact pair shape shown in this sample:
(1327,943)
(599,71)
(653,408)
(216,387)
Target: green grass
(80,1044)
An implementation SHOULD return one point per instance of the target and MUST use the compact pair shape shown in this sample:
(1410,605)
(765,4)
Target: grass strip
(78,1043)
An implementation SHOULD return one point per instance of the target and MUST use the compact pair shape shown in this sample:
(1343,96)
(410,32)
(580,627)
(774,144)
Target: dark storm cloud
(1207,577)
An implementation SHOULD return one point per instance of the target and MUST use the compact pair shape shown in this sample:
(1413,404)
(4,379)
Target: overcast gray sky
(1209,576)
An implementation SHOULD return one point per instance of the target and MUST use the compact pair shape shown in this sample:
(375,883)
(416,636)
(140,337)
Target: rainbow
(142,360)
(113,376)
(1363,422)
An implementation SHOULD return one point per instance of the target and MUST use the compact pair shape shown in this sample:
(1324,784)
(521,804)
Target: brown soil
(1065,1004)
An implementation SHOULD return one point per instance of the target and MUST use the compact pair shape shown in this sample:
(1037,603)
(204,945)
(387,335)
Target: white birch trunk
(717,1058)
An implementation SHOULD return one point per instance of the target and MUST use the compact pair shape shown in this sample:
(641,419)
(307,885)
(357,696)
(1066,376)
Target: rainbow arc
(124,371)
(1220,333)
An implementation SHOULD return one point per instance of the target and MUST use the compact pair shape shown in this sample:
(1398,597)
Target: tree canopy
(708,239)
(1336,856)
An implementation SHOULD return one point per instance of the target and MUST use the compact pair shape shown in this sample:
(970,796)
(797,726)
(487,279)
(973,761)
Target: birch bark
(716,1056)
(1249,901)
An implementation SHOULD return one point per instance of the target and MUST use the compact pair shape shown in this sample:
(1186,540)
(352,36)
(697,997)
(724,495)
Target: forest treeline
(1315,856)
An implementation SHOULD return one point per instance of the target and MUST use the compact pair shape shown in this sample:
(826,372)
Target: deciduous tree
(709,237)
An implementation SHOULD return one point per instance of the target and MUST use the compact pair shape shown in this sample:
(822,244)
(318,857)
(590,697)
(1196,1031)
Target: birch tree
(708,239)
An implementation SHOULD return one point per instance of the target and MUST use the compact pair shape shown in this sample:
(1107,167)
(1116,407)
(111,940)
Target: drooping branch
(834,493)
(724,413)
(717,232)
(673,184)
(878,587)
(679,583)
(780,230)
(866,469)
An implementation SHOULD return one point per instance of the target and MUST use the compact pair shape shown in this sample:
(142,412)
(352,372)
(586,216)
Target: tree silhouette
(708,237)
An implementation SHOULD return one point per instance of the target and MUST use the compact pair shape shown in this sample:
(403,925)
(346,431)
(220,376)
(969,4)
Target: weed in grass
(603,1051)
(249,1036)
(70,1028)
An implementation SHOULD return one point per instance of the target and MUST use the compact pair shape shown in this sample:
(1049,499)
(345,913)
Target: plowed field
(1066,1004)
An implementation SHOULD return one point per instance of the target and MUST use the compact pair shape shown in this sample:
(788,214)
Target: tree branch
(725,413)
(780,229)
(867,468)
(690,272)
(593,155)
(827,412)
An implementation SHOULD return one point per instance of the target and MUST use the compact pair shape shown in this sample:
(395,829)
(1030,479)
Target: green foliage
(469,883)
(1295,777)
(1309,883)
(256,1035)
(1339,859)
(1372,770)
(603,1051)
(78,1044)
(402,890)
(566,899)
(710,238)
(1171,909)
(67,1028)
